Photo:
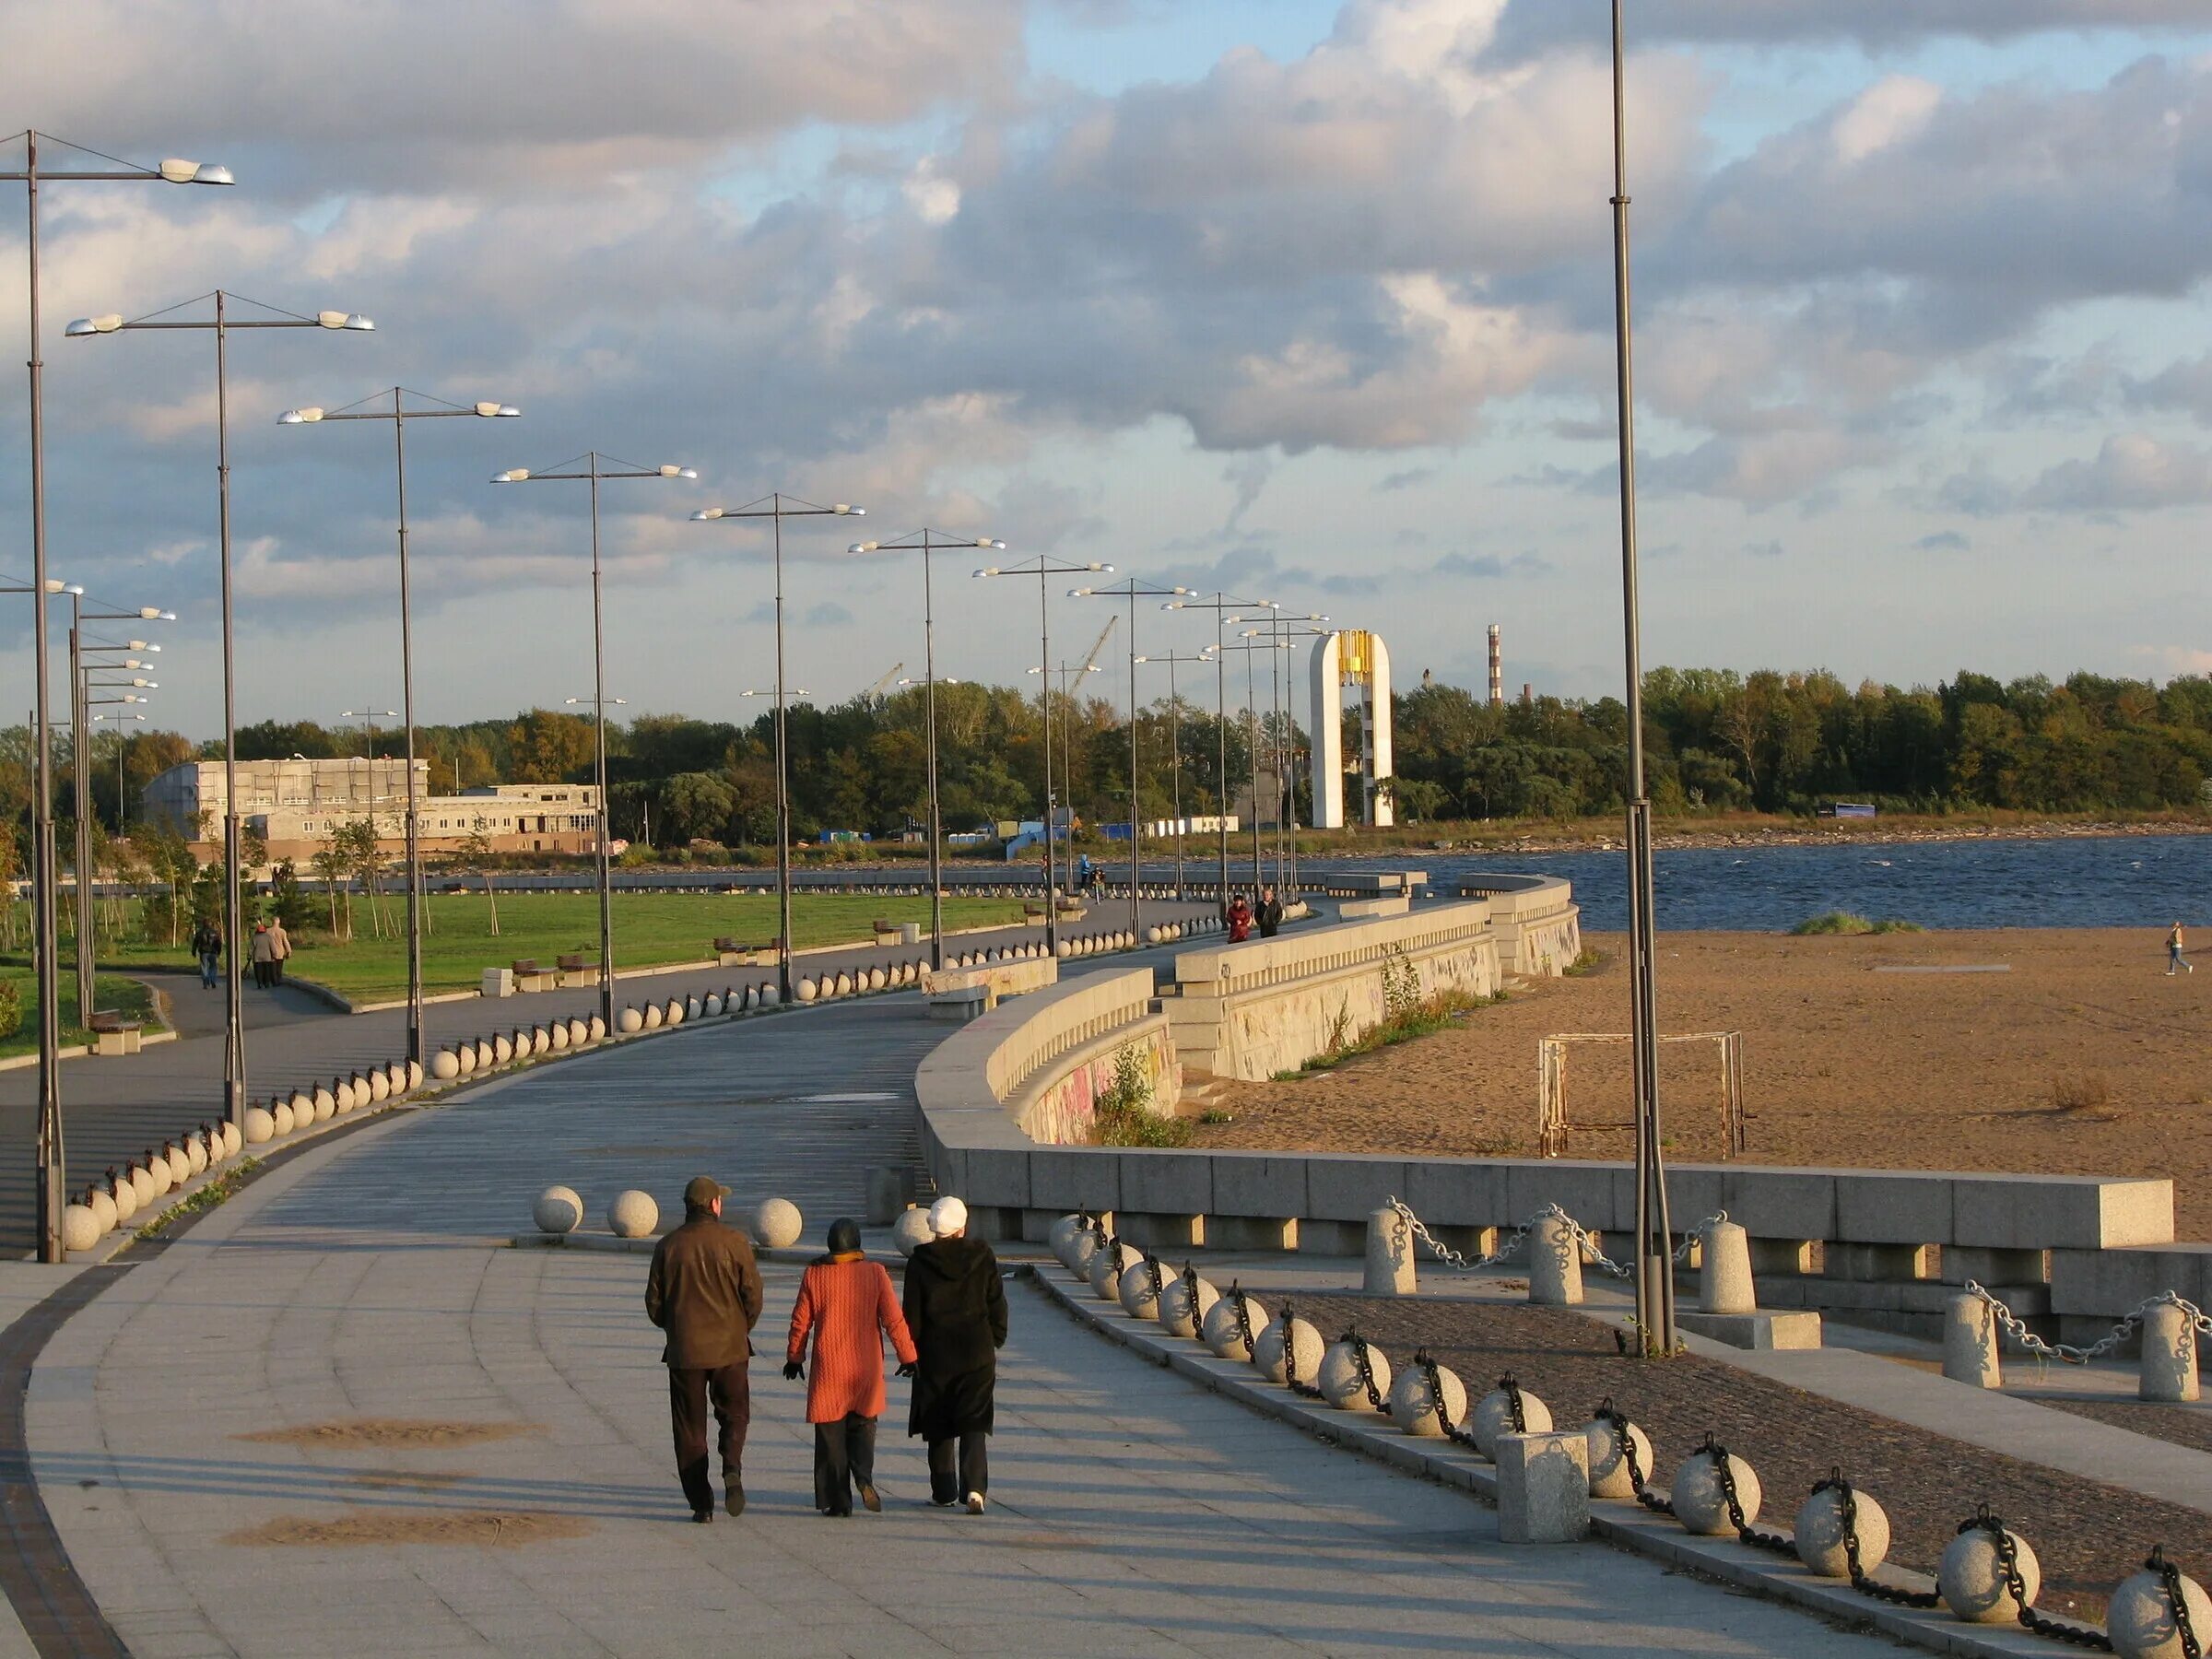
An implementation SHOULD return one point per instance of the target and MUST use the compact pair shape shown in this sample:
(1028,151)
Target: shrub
(1122,1116)
(2080,1091)
(1849,923)
(11,1007)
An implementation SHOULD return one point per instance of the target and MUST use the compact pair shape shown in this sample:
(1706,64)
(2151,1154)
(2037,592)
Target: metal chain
(1743,1529)
(1152,1277)
(1460,1262)
(1304,1390)
(1613,1417)
(2067,1353)
(1236,1298)
(1512,1403)
(2170,1578)
(1847,1511)
(1367,1369)
(1190,1289)
(2009,1563)
(1458,1437)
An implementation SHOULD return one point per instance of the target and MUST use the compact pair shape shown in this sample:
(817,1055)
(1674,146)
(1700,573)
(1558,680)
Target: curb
(1625,1524)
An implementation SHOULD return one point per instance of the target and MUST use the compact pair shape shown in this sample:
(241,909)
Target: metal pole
(1252,740)
(406,703)
(1175,770)
(52,1174)
(81,796)
(929,713)
(1044,681)
(234,1006)
(123,749)
(1655,1279)
(782,782)
(1137,926)
(607,892)
(1221,726)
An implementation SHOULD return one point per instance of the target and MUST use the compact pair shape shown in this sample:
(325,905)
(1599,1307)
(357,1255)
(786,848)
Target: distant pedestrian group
(704,1290)
(271,946)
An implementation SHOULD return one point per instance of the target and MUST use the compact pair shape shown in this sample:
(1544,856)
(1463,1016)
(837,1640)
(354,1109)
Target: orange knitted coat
(848,1305)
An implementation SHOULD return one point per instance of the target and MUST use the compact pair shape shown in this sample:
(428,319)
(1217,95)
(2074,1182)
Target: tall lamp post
(1044,567)
(1258,640)
(1221,605)
(1130,590)
(86,659)
(1066,676)
(596,469)
(776,506)
(399,415)
(1291,628)
(1654,1228)
(927,542)
(52,1179)
(1175,743)
(221,324)
(122,751)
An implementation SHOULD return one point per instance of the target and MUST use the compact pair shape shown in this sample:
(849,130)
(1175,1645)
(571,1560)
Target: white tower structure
(1350,657)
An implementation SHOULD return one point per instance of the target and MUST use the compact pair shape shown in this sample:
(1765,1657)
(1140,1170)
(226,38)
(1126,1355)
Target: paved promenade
(360,1293)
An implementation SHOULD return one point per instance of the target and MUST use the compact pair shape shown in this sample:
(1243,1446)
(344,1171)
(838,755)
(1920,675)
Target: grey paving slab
(1131,1513)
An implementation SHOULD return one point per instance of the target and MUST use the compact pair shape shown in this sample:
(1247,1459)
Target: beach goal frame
(1552,1124)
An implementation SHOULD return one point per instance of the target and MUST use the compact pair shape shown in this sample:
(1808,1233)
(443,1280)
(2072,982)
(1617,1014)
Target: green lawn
(108,992)
(651,929)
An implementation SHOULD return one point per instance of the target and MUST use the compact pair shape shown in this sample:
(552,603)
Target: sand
(1842,1064)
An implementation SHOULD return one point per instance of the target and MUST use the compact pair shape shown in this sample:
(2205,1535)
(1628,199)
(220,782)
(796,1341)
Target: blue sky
(1305,301)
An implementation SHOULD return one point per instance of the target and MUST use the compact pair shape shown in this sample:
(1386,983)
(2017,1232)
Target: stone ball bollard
(1701,1505)
(282,1117)
(1413,1403)
(502,1050)
(1152,935)
(1135,1291)
(1389,1264)
(524,1041)
(844,985)
(327,1106)
(632,1215)
(445,1065)
(81,1228)
(677,1012)
(1493,1416)
(1301,1344)
(777,1224)
(180,1166)
(652,1016)
(1969,1343)
(1819,1531)
(1181,1313)
(2169,1359)
(557,1036)
(771,996)
(342,1098)
(1609,1476)
(234,1140)
(195,1154)
(595,1030)
(628,1020)
(146,1183)
(380,1085)
(1555,1264)
(487,1055)
(1973,1583)
(1065,948)
(711,1006)
(1060,1237)
(877,980)
(414,1074)
(1083,1250)
(558,1210)
(1114,1259)
(101,1203)
(466,1053)
(1724,1277)
(581,1032)
(2140,1620)
(1340,1381)
(695,1007)
(911,1231)
(126,1193)
(747,1000)
(807,990)
(884,1192)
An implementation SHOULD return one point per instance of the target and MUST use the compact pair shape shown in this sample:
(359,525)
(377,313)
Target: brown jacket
(704,1290)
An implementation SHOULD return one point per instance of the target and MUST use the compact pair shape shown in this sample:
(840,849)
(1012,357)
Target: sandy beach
(1846,1062)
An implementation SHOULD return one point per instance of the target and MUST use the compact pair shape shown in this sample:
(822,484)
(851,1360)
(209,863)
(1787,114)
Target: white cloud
(2131,471)
(1891,111)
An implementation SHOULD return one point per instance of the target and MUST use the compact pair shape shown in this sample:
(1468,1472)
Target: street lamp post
(595,474)
(776,506)
(1175,745)
(1291,627)
(1044,567)
(927,542)
(1259,640)
(1654,1228)
(399,415)
(234,1034)
(81,668)
(123,749)
(1220,604)
(52,1173)
(1129,590)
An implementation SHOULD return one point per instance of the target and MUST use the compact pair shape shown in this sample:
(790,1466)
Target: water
(2143,881)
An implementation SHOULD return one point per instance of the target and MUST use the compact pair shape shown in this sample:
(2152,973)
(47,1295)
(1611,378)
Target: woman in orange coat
(846,1301)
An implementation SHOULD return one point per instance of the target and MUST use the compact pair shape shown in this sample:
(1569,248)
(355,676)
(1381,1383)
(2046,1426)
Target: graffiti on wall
(1064,1113)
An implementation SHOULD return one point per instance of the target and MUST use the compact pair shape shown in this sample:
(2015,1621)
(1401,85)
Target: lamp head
(865,547)
(844,511)
(179,172)
(515,475)
(669,470)
(300,418)
(989,571)
(338,319)
(706,513)
(496,411)
(154,613)
(95,325)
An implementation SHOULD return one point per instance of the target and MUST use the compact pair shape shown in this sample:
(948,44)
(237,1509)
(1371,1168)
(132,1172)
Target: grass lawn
(108,992)
(651,929)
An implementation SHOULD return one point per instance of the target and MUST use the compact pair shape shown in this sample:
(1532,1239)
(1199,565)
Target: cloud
(1490,566)
(1766,549)
(1534,26)
(2176,659)
(827,614)
(2185,386)
(1943,541)
(2133,471)
(1249,473)
(1406,479)
(1764,469)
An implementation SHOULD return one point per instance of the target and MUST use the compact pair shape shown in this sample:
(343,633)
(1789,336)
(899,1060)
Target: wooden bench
(114,1033)
(529,976)
(731,953)
(884,926)
(572,967)
(1032,912)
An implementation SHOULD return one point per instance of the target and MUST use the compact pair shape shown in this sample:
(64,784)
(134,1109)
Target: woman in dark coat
(956,1308)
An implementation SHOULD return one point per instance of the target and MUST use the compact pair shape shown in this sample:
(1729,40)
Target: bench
(571,968)
(883,927)
(529,976)
(960,1004)
(112,1033)
(1032,912)
(732,953)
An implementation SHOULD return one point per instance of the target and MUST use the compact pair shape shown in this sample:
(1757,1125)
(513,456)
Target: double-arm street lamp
(776,506)
(399,415)
(926,542)
(1066,676)
(221,324)
(1130,590)
(1175,742)
(1221,605)
(1291,628)
(87,659)
(52,1174)
(595,469)
(1257,639)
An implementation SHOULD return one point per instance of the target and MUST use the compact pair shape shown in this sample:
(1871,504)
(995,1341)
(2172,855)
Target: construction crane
(1105,633)
(875,691)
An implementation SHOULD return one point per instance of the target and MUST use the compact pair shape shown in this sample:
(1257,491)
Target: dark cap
(701,1191)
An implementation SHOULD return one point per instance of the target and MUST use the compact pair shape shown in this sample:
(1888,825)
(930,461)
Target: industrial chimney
(1496,668)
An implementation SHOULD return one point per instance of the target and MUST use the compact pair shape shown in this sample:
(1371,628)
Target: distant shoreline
(1872,835)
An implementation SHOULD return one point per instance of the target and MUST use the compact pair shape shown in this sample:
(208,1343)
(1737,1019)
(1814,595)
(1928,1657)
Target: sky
(1304,302)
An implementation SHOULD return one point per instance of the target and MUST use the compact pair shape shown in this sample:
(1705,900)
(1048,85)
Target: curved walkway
(367,1280)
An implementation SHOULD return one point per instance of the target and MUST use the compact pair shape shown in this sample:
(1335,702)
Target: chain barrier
(2067,1353)
(1616,1420)
(1367,1369)
(2009,1563)
(1236,1300)
(1153,1279)
(1190,1289)
(1584,1242)
(1514,1409)
(1743,1529)
(1458,1437)
(2169,1579)
(1303,1389)
(1847,1511)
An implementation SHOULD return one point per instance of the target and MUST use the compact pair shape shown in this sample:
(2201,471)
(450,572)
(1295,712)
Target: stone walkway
(362,1282)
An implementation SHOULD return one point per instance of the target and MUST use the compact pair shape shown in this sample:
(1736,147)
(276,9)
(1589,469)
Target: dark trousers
(729,1388)
(210,965)
(951,1480)
(844,1457)
(261,974)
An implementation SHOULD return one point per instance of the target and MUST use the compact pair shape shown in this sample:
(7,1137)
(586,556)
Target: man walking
(2176,960)
(280,948)
(207,944)
(956,1308)
(704,1290)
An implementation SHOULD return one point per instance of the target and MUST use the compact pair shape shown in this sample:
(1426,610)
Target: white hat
(947,1216)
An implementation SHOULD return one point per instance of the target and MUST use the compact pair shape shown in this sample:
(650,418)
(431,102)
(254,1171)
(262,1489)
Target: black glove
(793,1371)
(908,1370)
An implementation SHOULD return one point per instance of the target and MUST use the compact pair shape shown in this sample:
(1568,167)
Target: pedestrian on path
(956,1307)
(207,944)
(846,1303)
(704,1290)
(2176,960)
(280,950)
(265,955)
(1271,913)
(1239,920)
